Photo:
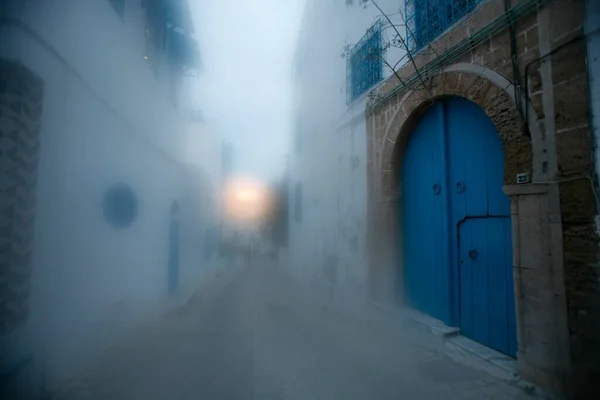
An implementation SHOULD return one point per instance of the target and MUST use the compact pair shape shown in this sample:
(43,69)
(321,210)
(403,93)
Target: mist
(245,87)
(299,199)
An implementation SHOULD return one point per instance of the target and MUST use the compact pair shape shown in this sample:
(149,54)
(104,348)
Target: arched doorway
(456,224)
(173,274)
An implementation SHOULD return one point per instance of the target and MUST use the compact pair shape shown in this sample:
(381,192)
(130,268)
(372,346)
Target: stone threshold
(461,349)
(473,354)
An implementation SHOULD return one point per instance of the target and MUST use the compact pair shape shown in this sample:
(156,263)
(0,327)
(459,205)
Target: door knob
(437,188)
(460,186)
(473,254)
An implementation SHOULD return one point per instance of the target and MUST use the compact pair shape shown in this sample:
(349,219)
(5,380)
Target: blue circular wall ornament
(120,206)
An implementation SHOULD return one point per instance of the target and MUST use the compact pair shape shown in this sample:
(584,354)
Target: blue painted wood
(173,256)
(487,312)
(448,229)
(423,217)
(456,146)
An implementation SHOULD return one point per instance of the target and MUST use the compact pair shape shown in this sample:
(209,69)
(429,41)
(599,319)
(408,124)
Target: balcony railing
(426,19)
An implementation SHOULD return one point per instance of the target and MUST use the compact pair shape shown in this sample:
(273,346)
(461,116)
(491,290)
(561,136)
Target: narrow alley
(258,336)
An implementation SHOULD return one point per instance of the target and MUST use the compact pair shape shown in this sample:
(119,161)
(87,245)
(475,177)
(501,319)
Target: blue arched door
(456,222)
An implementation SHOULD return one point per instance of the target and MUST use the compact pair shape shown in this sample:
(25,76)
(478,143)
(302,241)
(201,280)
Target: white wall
(204,149)
(105,119)
(333,159)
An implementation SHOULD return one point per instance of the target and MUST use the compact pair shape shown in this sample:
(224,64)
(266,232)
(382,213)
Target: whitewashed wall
(332,161)
(106,119)
(204,149)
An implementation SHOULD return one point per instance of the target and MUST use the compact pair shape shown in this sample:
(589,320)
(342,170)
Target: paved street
(258,337)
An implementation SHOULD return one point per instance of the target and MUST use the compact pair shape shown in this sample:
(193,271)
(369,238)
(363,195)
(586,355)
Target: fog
(186,203)
(245,87)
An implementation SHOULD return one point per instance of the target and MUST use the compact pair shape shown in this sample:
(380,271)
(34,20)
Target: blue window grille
(364,66)
(426,19)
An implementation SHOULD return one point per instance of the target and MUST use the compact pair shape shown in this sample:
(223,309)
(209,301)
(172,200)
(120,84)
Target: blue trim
(427,19)
(364,66)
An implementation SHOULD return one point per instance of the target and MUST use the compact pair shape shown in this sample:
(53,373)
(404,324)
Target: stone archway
(532,205)
(396,121)
(484,87)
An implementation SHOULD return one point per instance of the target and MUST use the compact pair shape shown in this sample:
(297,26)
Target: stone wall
(21,94)
(545,134)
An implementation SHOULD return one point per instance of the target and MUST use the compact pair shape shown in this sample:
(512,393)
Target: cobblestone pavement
(260,338)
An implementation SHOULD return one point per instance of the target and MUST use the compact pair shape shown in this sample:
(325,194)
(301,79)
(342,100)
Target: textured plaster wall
(106,119)
(329,244)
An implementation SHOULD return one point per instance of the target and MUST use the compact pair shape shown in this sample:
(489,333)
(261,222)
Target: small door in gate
(487,308)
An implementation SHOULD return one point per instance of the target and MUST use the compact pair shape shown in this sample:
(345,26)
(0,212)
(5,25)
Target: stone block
(506,70)
(537,102)
(577,201)
(501,39)
(574,152)
(450,82)
(518,154)
(479,89)
(423,58)
(407,70)
(485,14)
(521,42)
(580,238)
(532,38)
(541,347)
(566,16)
(388,184)
(387,161)
(411,103)
(397,124)
(465,83)
(538,298)
(581,274)
(528,57)
(569,62)
(533,234)
(451,38)
(526,23)
(495,58)
(535,79)
(479,52)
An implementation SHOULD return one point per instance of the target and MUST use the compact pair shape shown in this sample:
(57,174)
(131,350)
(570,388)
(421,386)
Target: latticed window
(426,19)
(363,64)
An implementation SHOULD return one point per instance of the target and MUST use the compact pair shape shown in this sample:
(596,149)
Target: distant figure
(247,254)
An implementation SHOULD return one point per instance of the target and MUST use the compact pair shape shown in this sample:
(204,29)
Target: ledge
(530,188)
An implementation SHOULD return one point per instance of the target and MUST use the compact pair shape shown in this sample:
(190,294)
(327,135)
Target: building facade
(481,180)
(328,164)
(94,124)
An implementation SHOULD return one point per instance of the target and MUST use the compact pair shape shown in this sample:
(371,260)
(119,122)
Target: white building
(204,159)
(92,105)
(328,166)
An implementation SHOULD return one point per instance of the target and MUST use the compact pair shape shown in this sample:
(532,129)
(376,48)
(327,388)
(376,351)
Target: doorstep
(471,353)
(465,350)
